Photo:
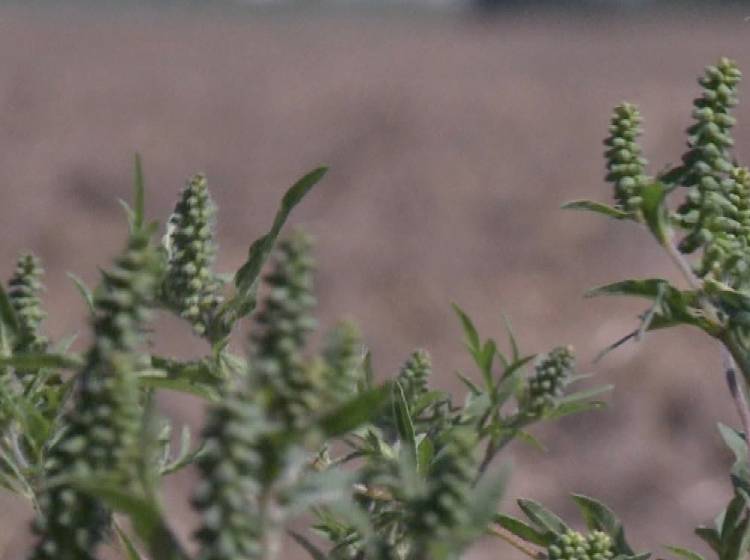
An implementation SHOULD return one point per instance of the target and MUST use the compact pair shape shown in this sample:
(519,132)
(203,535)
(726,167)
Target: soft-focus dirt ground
(452,143)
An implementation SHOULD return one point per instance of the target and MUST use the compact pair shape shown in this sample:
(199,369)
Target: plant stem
(516,543)
(737,391)
(683,265)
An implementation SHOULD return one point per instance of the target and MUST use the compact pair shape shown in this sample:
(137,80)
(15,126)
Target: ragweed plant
(384,470)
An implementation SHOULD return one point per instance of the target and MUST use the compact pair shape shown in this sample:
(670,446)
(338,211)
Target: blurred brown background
(453,138)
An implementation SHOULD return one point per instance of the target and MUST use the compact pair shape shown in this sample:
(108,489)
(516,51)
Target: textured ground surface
(452,143)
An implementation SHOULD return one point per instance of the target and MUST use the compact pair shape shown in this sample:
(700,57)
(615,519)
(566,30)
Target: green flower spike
(725,255)
(191,287)
(104,424)
(572,545)
(625,165)
(552,374)
(708,164)
(414,375)
(24,289)
(446,504)
(231,468)
(276,359)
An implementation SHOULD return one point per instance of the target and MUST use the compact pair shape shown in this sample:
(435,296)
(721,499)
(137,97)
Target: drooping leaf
(598,208)
(86,293)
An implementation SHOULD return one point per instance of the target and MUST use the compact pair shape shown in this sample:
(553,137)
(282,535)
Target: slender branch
(683,265)
(516,543)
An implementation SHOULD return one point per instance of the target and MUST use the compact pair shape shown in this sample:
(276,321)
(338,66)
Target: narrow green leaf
(655,212)
(515,354)
(598,208)
(314,552)
(649,288)
(524,531)
(138,194)
(598,517)
(526,437)
(42,360)
(582,396)
(355,412)
(152,380)
(131,553)
(738,541)
(472,337)
(542,517)
(684,553)
(473,389)
(404,424)
(574,408)
(8,313)
(425,453)
(710,537)
(85,292)
(261,247)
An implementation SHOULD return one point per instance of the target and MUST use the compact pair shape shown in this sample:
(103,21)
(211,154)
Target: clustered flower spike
(551,374)
(191,285)
(708,163)
(283,324)
(625,165)
(103,426)
(24,289)
(343,356)
(231,469)
(414,375)
(726,254)
(572,545)
(445,505)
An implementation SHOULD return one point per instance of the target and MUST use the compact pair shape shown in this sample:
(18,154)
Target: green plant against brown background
(382,470)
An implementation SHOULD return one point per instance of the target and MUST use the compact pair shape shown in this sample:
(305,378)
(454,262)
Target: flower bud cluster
(103,426)
(625,165)
(282,327)
(552,373)
(446,504)
(707,209)
(572,545)
(24,289)
(414,375)
(231,469)
(191,286)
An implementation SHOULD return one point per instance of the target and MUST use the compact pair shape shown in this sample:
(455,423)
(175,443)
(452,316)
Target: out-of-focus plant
(394,470)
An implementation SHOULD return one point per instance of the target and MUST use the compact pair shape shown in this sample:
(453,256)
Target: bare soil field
(452,144)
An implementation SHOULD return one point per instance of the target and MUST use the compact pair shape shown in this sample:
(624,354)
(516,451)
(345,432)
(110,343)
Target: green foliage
(395,471)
